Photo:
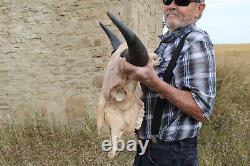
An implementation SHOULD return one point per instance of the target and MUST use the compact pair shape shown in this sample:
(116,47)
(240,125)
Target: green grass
(222,141)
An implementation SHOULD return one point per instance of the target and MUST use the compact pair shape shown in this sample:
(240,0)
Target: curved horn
(137,53)
(113,39)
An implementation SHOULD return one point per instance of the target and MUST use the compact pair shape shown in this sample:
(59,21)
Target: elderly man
(188,97)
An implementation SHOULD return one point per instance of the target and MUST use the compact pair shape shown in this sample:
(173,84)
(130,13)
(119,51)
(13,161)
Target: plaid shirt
(195,71)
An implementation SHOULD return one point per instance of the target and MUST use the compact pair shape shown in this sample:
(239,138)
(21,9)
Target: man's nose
(172,5)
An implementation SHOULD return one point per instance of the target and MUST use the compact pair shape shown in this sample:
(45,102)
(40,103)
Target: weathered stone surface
(75,108)
(53,49)
(98,79)
(47,109)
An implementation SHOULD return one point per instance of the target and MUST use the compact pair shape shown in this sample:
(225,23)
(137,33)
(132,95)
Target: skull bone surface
(120,105)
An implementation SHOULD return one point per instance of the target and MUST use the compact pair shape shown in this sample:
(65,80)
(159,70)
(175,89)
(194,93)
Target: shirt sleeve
(196,72)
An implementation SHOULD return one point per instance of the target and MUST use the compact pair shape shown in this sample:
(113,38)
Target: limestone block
(57,46)
(45,109)
(75,108)
(97,81)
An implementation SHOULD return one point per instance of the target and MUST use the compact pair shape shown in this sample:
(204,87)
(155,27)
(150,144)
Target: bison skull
(120,105)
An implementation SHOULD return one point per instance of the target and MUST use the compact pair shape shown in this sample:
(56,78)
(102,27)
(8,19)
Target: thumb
(152,59)
(126,67)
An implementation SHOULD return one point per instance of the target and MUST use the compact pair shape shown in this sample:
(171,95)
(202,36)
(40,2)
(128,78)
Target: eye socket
(119,93)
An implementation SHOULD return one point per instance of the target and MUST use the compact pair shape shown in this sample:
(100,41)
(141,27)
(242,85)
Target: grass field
(223,140)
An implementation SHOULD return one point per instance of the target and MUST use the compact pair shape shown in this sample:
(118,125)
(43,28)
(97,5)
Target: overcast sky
(227,21)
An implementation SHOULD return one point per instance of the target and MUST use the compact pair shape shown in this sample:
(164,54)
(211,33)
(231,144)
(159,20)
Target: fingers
(126,67)
(153,60)
(154,56)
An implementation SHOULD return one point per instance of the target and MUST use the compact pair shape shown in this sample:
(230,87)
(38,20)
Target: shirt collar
(170,36)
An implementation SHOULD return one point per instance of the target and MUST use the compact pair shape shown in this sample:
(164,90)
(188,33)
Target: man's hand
(146,74)
(182,99)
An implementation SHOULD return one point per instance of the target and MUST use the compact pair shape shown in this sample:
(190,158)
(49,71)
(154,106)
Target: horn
(113,39)
(137,53)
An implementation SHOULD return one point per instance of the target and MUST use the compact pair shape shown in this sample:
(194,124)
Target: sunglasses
(180,2)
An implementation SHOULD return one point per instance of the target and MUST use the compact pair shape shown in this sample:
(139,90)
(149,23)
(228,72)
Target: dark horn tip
(112,37)
(108,13)
(137,53)
(101,24)
(111,16)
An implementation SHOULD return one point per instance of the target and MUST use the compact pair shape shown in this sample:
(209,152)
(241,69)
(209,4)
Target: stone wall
(51,51)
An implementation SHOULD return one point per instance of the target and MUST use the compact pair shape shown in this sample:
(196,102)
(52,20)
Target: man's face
(180,16)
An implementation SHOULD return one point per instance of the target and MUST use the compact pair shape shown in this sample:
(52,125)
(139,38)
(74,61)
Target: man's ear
(200,9)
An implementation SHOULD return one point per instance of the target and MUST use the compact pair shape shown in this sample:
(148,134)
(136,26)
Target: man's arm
(195,72)
(182,99)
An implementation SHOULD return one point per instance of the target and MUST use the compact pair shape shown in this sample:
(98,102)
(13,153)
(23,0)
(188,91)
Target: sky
(227,21)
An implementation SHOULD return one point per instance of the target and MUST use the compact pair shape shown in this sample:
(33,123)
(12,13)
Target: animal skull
(120,105)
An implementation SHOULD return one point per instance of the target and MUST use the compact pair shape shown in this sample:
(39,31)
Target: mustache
(172,12)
